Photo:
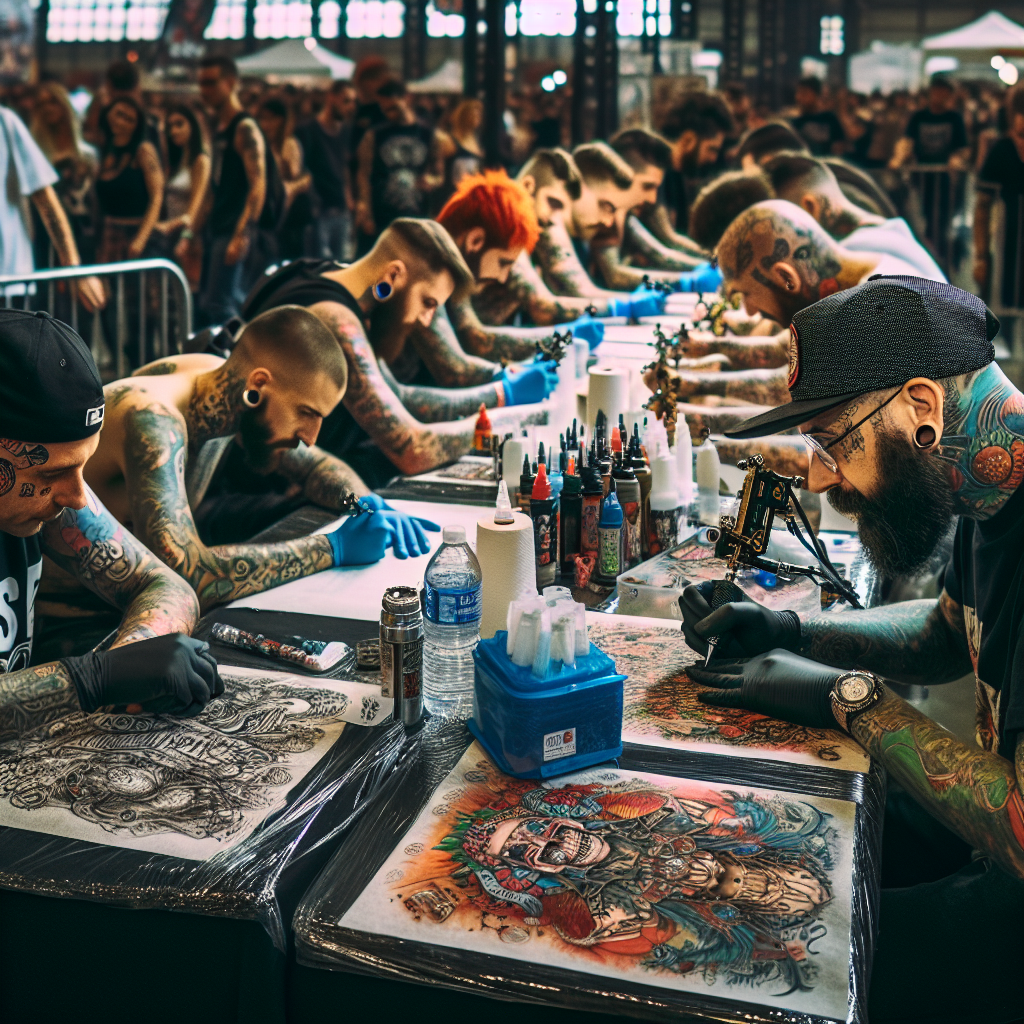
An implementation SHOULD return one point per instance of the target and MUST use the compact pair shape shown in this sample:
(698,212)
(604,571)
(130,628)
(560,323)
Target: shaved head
(779,258)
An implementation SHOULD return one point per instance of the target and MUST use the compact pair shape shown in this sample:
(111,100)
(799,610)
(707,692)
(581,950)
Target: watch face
(854,689)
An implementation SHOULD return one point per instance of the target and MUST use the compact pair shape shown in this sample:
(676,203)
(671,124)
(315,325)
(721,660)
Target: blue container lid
(593,667)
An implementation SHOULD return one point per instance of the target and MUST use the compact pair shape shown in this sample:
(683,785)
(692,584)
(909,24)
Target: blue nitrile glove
(589,330)
(642,302)
(361,539)
(703,278)
(532,383)
(409,536)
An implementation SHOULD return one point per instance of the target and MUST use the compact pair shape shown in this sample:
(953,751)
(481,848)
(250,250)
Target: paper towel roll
(508,564)
(609,391)
(512,465)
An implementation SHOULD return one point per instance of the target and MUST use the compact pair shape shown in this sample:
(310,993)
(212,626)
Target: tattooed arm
(975,793)
(616,274)
(757,387)
(250,147)
(154,471)
(743,354)
(561,268)
(784,454)
(658,222)
(411,445)
(438,346)
(92,545)
(510,344)
(325,479)
(716,419)
(153,175)
(55,220)
(364,193)
(644,249)
(436,405)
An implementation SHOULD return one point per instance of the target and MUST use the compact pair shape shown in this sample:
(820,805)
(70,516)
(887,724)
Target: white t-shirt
(25,171)
(894,238)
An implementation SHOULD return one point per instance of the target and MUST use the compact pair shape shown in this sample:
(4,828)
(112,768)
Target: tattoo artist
(284,376)
(51,411)
(912,428)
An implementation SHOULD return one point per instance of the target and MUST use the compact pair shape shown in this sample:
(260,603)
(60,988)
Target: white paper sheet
(184,787)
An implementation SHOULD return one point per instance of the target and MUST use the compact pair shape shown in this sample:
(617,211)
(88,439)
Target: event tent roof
(993,31)
(296,58)
(447,78)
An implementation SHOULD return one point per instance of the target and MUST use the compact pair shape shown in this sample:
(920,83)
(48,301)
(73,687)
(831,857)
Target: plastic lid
(454,535)
(611,512)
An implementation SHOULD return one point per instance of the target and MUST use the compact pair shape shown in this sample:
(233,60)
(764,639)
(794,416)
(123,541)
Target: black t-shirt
(820,131)
(20,567)
(936,136)
(327,157)
(1002,177)
(400,158)
(985,575)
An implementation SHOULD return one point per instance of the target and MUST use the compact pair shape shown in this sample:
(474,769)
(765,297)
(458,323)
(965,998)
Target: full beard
(901,526)
(388,329)
(255,435)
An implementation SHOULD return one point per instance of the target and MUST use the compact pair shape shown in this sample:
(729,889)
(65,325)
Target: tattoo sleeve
(55,221)
(561,268)
(510,344)
(785,455)
(972,791)
(436,405)
(643,248)
(325,479)
(439,348)
(155,478)
(757,387)
(33,683)
(658,222)
(742,353)
(250,147)
(617,274)
(911,642)
(715,419)
(92,545)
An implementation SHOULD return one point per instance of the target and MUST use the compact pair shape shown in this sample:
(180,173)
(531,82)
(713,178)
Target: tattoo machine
(555,347)
(656,286)
(317,656)
(742,540)
(354,506)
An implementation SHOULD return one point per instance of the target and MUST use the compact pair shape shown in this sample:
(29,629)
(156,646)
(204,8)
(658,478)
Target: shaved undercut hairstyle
(641,148)
(294,344)
(793,172)
(703,113)
(425,242)
(773,137)
(547,166)
(599,163)
(719,203)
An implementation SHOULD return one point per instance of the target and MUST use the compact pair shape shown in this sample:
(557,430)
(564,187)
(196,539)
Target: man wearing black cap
(51,411)
(912,427)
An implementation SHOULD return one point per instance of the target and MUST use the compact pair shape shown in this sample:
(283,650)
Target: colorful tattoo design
(560,267)
(664,882)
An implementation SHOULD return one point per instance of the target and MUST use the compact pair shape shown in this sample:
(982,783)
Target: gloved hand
(587,329)
(743,628)
(531,383)
(409,536)
(171,674)
(779,684)
(642,302)
(703,278)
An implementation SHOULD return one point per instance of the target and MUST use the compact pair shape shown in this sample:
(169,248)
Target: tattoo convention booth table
(291,854)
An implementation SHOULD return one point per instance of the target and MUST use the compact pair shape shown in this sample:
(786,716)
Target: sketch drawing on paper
(662,707)
(739,893)
(185,787)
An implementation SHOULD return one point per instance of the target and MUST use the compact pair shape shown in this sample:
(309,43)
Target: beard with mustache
(914,509)
(255,434)
(388,329)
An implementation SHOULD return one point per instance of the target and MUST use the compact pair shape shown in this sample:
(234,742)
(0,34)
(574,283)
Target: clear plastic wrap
(230,814)
(383,907)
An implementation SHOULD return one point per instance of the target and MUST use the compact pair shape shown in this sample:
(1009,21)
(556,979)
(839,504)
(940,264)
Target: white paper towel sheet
(508,564)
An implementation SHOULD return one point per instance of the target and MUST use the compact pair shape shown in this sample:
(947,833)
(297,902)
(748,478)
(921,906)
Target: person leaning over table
(912,428)
(51,412)
(284,376)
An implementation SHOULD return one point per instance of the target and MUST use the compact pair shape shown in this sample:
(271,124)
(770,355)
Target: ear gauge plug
(924,436)
(382,291)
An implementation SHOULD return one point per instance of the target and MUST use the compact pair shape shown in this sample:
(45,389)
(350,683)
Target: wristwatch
(854,692)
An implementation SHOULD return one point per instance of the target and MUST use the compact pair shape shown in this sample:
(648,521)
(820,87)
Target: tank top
(400,157)
(178,193)
(230,184)
(124,195)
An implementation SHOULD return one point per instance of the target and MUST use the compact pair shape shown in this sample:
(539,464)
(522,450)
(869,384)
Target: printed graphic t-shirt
(820,131)
(20,567)
(985,575)
(936,136)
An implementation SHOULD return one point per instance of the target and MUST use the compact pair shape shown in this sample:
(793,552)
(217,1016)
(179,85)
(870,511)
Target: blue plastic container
(537,728)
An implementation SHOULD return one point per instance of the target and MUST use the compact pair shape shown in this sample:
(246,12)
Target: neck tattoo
(215,406)
(838,221)
(983,440)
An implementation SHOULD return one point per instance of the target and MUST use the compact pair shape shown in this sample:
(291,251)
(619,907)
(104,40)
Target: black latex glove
(743,627)
(171,674)
(779,684)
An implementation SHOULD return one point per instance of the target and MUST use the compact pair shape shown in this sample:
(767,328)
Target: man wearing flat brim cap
(912,428)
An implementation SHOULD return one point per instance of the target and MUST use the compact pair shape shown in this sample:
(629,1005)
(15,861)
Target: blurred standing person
(276,121)
(121,82)
(327,143)
(239,180)
(460,147)
(399,166)
(187,188)
(370,74)
(818,127)
(1002,177)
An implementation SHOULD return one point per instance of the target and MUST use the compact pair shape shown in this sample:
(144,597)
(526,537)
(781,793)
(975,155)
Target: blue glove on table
(589,330)
(409,538)
(533,383)
(642,302)
(703,278)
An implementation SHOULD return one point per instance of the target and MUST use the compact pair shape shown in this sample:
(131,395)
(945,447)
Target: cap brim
(782,417)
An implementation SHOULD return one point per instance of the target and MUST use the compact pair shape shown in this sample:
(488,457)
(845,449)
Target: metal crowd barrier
(935,199)
(40,290)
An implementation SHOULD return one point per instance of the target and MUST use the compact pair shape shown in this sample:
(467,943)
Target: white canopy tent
(295,60)
(993,32)
(446,79)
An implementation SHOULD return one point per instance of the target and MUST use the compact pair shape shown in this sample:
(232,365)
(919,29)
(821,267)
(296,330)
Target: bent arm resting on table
(619,275)
(758,387)
(325,479)
(440,348)
(646,250)
(436,405)
(716,419)
(509,344)
(658,222)
(561,269)
(743,354)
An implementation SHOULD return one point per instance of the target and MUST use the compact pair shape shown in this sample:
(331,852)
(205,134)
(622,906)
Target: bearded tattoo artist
(283,377)
(912,427)
(52,410)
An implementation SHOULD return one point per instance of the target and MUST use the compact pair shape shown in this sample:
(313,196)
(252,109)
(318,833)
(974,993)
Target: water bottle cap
(454,535)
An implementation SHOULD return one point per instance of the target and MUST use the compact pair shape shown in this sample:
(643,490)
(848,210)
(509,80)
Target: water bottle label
(452,607)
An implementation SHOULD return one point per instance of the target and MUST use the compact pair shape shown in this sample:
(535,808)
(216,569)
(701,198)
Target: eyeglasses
(821,450)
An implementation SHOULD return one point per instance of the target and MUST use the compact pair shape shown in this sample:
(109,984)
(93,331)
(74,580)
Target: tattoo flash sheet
(661,707)
(183,787)
(737,893)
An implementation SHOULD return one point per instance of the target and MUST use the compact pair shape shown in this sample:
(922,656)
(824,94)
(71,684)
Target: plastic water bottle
(451,625)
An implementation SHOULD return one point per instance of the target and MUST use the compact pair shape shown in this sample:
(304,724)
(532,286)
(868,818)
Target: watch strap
(843,711)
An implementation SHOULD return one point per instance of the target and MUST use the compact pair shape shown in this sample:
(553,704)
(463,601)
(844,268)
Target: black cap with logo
(50,389)
(877,335)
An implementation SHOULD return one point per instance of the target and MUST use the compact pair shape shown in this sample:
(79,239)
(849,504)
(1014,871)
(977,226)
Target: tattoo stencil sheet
(187,788)
(735,895)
